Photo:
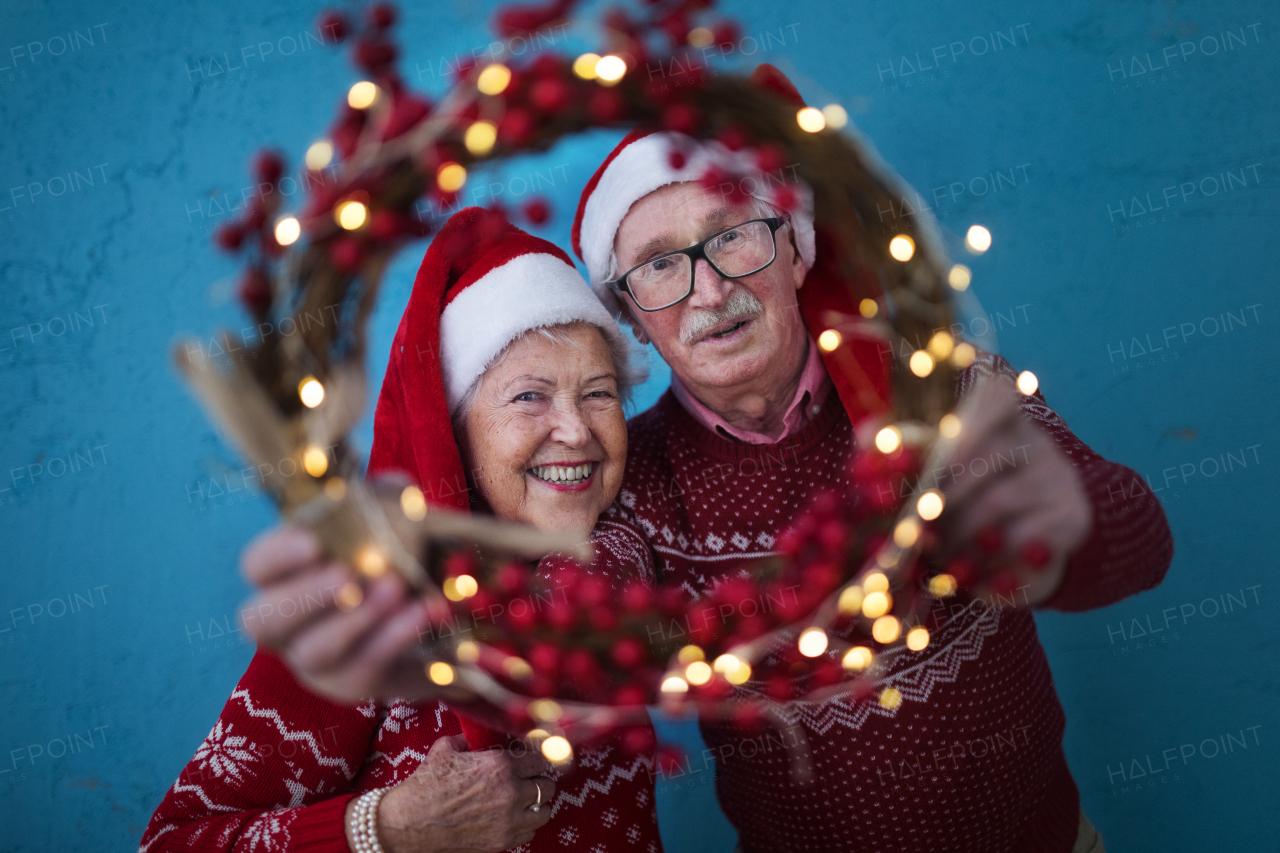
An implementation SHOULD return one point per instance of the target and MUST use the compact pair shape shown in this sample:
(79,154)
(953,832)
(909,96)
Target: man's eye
(660,264)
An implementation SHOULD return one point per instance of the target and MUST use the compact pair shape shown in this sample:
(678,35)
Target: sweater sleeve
(1130,546)
(274,774)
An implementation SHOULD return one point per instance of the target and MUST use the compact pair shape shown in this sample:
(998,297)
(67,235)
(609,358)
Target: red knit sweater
(276,772)
(971,760)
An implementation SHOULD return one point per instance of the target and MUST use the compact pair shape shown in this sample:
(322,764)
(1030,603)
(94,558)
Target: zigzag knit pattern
(278,768)
(971,759)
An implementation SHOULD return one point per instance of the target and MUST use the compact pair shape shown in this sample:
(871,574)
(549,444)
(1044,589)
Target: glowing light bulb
(942,586)
(836,116)
(876,604)
(906,533)
(829,340)
(698,672)
(1027,383)
(902,247)
(288,230)
(440,673)
(350,214)
(335,489)
(546,710)
(868,308)
(311,392)
(517,668)
(885,629)
(850,601)
(314,461)
(964,355)
(413,503)
(610,69)
(371,562)
(701,37)
(930,505)
(362,95)
(674,684)
(813,642)
(977,240)
(319,155)
(811,119)
(556,749)
(941,345)
(450,177)
(585,66)
(917,638)
(949,426)
(493,80)
(959,277)
(690,653)
(921,363)
(460,588)
(876,582)
(739,675)
(467,652)
(480,138)
(724,663)
(888,440)
(890,698)
(348,596)
(857,658)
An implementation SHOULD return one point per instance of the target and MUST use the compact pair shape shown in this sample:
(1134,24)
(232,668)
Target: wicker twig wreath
(562,669)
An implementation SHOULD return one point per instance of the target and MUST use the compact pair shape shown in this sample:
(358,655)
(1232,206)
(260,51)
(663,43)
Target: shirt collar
(811,394)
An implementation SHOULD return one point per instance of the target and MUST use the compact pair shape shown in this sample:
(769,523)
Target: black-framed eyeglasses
(734,252)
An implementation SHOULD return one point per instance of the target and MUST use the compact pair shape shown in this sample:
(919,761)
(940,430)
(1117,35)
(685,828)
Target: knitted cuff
(321,828)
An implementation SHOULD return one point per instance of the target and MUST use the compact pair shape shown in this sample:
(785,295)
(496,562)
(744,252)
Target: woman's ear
(636,329)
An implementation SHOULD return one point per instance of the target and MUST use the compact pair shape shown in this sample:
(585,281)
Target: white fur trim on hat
(528,292)
(644,166)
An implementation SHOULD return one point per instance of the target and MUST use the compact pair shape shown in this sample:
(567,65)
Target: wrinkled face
(729,332)
(546,439)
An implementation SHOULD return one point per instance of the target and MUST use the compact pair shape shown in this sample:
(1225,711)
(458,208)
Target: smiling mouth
(564,475)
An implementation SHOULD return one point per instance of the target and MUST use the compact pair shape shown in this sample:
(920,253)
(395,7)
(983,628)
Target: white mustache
(741,305)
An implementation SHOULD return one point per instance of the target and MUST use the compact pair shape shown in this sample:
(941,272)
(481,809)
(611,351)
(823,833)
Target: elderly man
(969,755)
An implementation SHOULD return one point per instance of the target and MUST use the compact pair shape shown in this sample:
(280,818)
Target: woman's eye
(527,397)
(599,395)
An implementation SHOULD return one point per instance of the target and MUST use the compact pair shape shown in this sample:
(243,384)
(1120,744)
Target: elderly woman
(504,363)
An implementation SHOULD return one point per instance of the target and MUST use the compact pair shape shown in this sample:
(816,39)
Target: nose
(570,428)
(710,289)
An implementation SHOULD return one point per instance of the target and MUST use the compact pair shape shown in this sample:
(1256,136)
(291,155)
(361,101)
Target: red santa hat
(482,283)
(642,163)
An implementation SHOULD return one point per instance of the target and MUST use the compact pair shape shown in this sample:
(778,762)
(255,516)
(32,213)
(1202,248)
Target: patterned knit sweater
(280,765)
(971,760)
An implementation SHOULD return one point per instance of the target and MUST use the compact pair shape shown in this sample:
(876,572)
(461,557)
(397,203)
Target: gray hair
(629,364)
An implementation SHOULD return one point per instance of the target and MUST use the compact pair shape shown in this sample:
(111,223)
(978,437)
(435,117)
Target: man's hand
(459,801)
(346,655)
(1039,498)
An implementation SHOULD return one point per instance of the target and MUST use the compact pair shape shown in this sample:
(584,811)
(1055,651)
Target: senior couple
(504,395)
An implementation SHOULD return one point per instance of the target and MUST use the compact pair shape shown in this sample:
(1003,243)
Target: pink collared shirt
(811,395)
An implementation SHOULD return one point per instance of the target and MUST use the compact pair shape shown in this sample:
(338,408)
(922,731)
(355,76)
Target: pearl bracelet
(364,822)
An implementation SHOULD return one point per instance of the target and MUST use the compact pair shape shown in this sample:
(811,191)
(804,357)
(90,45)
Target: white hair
(628,364)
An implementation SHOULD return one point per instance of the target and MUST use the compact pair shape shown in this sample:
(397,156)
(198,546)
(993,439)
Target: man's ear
(797,262)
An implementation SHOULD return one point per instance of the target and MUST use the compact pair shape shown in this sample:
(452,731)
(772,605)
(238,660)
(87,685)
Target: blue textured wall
(1123,155)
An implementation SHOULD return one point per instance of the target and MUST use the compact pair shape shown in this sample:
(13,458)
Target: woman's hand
(347,655)
(466,801)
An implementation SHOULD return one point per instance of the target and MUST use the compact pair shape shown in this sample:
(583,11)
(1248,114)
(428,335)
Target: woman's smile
(565,476)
